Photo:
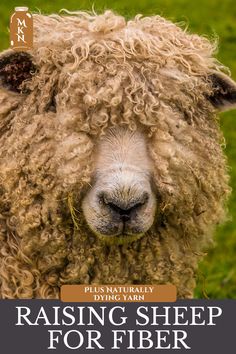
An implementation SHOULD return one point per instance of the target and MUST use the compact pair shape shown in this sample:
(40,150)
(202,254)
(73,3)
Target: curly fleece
(102,71)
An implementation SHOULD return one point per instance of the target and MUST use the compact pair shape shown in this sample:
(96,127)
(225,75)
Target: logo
(21,29)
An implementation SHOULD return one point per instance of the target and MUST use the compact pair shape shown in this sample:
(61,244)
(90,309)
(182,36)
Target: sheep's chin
(119,239)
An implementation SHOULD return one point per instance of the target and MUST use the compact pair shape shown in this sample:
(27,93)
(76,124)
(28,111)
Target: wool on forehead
(124,66)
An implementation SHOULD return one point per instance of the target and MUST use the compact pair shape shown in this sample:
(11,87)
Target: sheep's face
(121,204)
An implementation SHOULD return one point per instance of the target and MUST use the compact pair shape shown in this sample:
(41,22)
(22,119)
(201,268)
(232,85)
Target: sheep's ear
(15,67)
(223,97)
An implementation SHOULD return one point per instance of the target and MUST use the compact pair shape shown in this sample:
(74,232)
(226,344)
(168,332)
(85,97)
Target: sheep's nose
(125,206)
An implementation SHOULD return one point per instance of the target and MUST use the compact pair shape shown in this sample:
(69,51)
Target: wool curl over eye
(103,71)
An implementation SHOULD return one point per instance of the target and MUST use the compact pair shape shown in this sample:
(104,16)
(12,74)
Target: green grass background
(217,273)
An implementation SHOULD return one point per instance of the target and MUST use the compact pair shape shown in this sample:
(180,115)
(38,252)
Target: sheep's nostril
(124,213)
(125,207)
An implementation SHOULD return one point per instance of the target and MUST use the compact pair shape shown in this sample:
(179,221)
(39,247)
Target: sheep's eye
(52,106)
(14,69)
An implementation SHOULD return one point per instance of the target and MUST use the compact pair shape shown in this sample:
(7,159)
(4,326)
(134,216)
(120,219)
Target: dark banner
(44,326)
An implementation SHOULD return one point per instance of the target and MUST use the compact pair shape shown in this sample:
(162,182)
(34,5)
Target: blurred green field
(217,273)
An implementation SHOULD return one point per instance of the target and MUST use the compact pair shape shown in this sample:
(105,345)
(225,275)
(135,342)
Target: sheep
(112,168)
